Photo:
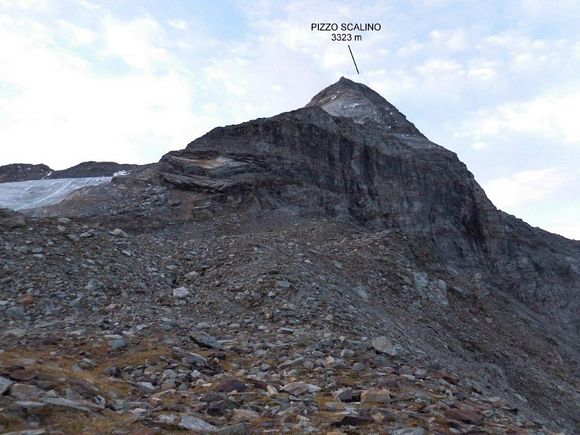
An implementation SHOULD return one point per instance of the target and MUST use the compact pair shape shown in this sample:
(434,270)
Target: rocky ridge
(25,172)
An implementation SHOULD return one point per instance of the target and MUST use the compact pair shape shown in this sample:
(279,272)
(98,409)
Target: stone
(28,405)
(465,415)
(287,330)
(25,392)
(232,385)
(66,403)
(344,395)
(236,429)
(181,292)
(16,312)
(244,415)
(383,345)
(346,353)
(4,385)
(27,432)
(375,396)
(167,419)
(353,420)
(300,388)
(146,387)
(409,431)
(118,232)
(117,343)
(192,423)
(15,332)
(291,362)
(205,340)
(194,359)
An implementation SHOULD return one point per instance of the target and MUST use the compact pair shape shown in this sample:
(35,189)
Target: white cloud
(77,34)
(136,42)
(25,4)
(480,146)
(551,115)
(453,40)
(63,112)
(178,24)
(440,68)
(523,187)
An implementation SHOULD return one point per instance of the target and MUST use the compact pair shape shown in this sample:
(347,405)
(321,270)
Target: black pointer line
(351,55)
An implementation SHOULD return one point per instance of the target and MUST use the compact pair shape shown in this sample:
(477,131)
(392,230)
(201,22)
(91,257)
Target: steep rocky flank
(351,153)
(326,270)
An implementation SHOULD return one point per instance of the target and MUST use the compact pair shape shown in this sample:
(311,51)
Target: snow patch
(22,195)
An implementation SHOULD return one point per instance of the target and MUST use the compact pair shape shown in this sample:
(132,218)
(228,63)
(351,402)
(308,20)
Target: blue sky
(497,81)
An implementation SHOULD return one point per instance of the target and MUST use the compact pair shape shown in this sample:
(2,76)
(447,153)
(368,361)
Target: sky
(496,81)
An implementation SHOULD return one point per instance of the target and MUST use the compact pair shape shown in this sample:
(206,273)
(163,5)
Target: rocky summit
(326,270)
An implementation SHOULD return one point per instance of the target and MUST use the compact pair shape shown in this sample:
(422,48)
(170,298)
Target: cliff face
(350,153)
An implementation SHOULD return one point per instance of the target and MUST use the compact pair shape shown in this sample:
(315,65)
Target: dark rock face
(350,153)
(25,171)
(93,169)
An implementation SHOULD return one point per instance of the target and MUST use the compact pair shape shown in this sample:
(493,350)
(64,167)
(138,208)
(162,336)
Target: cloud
(178,24)
(480,146)
(136,42)
(524,187)
(62,109)
(76,34)
(552,115)
(25,4)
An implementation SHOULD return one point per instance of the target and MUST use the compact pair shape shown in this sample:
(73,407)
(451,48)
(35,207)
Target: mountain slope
(351,153)
(325,269)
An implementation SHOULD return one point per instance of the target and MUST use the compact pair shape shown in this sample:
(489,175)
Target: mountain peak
(357,101)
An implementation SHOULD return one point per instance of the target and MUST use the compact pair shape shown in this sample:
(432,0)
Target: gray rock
(16,332)
(16,312)
(344,395)
(205,340)
(118,232)
(409,431)
(146,387)
(27,432)
(384,345)
(300,388)
(196,424)
(117,343)
(237,429)
(4,385)
(203,325)
(193,359)
(181,292)
(25,392)
(66,403)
